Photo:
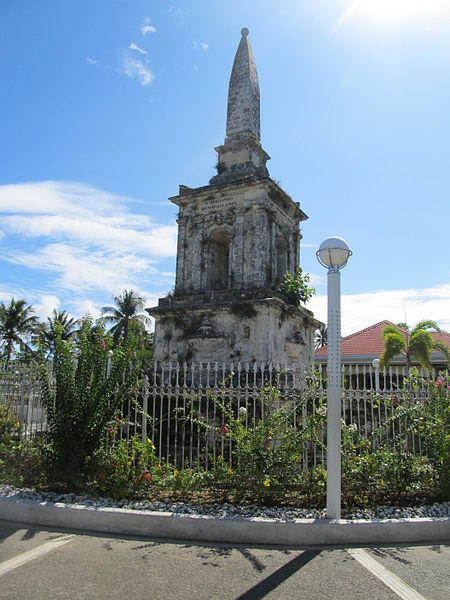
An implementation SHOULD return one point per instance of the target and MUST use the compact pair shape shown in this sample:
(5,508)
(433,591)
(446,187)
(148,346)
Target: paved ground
(43,564)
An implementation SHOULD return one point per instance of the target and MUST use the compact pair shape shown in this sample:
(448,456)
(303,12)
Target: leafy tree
(321,337)
(61,324)
(128,307)
(414,344)
(17,323)
(295,288)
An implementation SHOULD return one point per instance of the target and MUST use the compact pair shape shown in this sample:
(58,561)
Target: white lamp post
(333,254)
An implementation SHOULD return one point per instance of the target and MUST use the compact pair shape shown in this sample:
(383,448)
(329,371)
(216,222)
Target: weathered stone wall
(266,330)
(256,220)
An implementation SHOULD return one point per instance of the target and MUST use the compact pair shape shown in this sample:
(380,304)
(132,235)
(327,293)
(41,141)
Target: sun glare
(379,12)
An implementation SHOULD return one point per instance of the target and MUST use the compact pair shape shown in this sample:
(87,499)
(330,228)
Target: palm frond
(394,344)
(391,330)
(425,324)
(441,347)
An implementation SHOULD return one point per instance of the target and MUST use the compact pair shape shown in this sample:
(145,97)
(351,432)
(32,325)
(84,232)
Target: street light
(333,254)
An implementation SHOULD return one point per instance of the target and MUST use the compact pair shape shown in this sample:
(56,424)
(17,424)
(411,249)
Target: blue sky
(108,106)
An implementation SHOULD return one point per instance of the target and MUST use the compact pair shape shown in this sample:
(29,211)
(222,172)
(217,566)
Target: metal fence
(184,408)
(20,399)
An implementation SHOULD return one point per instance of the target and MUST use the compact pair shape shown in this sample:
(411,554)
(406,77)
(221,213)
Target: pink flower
(103,343)
(223,430)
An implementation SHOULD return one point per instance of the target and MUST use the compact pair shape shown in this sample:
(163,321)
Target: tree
(127,309)
(321,337)
(416,343)
(60,322)
(17,322)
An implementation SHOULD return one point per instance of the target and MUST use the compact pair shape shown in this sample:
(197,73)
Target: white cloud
(196,68)
(134,46)
(92,61)
(200,46)
(361,310)
(87,269)
(134,68)
(177,12)
(7,292)
(83,239)
(87,307)
(146,28)
(82,214)
(44,308)
(59,197)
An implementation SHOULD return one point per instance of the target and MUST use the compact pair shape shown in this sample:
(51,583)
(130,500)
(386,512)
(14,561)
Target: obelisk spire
(243,92)
(241,156)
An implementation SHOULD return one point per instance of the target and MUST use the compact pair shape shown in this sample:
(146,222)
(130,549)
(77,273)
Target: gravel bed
(228,510)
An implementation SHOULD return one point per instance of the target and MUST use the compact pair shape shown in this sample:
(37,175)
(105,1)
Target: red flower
(110,429)
(103,343)
(147,476)
(117,420)
(223,430)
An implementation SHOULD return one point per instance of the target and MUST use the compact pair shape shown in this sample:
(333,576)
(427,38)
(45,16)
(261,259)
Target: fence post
(144,409)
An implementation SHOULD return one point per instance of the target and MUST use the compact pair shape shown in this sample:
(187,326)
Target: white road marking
(21,559)
(397,585)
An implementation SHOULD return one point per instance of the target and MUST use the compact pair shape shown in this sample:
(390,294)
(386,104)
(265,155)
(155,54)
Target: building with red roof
(362,347)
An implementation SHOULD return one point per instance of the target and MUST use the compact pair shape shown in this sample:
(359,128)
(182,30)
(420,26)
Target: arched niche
(281,250)
(219,259)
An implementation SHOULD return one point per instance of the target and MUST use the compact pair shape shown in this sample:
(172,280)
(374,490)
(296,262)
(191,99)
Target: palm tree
(127,308)
(17,321)
(60,320)
(321,338)
(416,343)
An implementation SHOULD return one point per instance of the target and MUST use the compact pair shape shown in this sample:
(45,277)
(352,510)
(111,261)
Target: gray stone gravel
(228,510)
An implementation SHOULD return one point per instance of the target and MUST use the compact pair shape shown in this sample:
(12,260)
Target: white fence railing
(20,398)
(182,408)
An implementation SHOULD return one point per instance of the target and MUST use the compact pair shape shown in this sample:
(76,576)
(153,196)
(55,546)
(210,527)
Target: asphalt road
(47,564)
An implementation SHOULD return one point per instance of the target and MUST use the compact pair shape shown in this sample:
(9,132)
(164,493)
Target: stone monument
(237,237)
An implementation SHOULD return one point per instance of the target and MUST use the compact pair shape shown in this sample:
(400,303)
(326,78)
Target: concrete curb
(236,530)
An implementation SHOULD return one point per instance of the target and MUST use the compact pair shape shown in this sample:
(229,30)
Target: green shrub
(432,422)
(124,468)
(295,288)
(82,393)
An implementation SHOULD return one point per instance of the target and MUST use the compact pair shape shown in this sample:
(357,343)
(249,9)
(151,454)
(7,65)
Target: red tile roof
(370,342)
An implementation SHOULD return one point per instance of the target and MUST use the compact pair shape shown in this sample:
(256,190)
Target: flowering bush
(124,468)
(432,422)
(259,459)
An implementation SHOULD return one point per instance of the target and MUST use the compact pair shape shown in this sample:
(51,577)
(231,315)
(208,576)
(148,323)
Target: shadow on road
(271,582)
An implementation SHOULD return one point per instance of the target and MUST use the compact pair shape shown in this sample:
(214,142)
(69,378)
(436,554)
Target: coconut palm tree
(416,343)
(321,338)
(128,307)
(17,323)
(60,320)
